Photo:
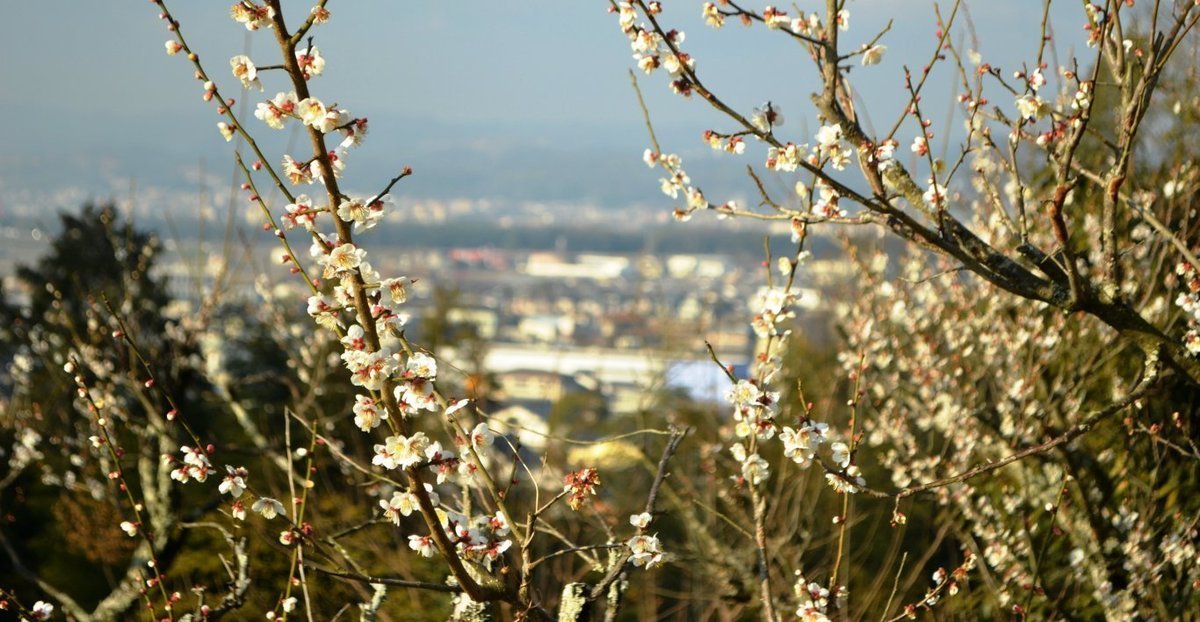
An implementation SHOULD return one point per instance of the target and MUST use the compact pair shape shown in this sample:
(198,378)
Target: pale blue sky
(508,99)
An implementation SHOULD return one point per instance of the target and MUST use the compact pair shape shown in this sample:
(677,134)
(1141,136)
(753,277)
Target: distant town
(549,301)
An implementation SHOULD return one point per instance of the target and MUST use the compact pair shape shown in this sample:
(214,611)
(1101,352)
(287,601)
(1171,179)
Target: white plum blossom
(354,133)
(234,483)
(813,600)
(444,462)
(1036,79)
(238,510)
(481,436)
(416,394)
(416,391)
(826,203)
(268,507)
(480,539)
(421,365)
(401,504)
(300,213)
(369,369)
(396,288)
(849,482)
(920,146)
(806,26)
(1083,96)
(754,410)
(130,529)
(885,155)
(401,451)
(423,545)
(276,110)
(355,338)
(755,469)
(297,172)
(335,162)
(935,195)
(785,160)
(841,453)
(41,610)
(173,47)
(321,308)
(195,466)
(712,16)
(312,112)
(368,413)
(873,55)
(226,130)
(800,445)
(843,20)
(767,117)
(771,307)
(364,213)
(645,551)
(774,19)
(344,258)
(1189,301)
(695,199)
(253,17)
(310,61)
(829,135)
(641,521)
(243,69)
(404,503)
(352,210)
(675,64)
(743,392)
(1032,107)
(829,145)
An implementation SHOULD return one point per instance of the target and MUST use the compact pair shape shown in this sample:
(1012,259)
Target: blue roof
(704,381)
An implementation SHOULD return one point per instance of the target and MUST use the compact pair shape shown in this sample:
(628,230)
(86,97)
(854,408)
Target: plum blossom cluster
(756,406)
(482,539)
(377,361)
(813,599)
(735,143)
(774,18)
(1030,105)
(830,147)
(652,49)
(404,503)
(252,16)
(944,584)
(194,465)
(677,182)
(754,410)
(1189,301)
(772,308)
(363,213)
(313,113)
(644,550)
(42,610)
(399,451)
